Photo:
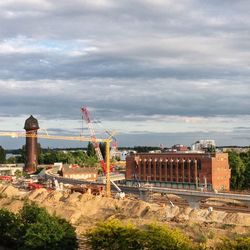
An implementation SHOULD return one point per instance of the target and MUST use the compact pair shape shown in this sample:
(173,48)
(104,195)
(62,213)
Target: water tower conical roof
(31,123)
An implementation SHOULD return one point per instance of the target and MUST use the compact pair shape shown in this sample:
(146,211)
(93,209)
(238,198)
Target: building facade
(73,171)
(10,169)
(180,170)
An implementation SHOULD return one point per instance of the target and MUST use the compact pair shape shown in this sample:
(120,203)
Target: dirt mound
(237,219)
(53,196)
(38,195)
(10,191)
(13,205)
(86,209)
(73,198)
(134,209)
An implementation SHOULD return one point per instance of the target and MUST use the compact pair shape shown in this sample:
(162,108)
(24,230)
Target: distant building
(10,169)
(203,145)
(81,173)
(180,170)
(8,156)
(180,148)
(125,153)
(157,151)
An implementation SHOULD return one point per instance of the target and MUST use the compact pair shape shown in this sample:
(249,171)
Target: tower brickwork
(31,126)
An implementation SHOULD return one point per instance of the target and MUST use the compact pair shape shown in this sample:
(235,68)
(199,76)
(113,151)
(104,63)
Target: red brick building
(180,170)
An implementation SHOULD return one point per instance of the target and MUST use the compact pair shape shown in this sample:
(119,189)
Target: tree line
(240,169)
(49,156)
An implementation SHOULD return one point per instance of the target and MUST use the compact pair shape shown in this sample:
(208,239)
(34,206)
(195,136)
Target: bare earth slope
(84,210)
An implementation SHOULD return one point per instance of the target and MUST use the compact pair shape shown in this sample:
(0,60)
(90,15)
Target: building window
(185,165)
(199,164)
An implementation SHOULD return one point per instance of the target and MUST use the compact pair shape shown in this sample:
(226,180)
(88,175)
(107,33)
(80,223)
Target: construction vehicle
(6,178)
(32,186)
(91,189)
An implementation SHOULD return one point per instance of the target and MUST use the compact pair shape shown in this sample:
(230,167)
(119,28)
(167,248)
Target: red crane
(95,143)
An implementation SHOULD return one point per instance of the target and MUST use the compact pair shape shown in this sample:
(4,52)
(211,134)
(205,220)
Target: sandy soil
(84,210)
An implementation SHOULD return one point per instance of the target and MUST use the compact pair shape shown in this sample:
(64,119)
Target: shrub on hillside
(10,228)
(114,235)
(34,228)
(240,243)
(159,237)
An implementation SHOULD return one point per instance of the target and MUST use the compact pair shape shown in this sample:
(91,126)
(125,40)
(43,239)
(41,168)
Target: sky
(156,72)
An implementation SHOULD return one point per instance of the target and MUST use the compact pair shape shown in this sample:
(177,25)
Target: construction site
(185,190)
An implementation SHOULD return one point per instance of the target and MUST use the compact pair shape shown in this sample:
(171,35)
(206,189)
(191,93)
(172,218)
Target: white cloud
(139,65)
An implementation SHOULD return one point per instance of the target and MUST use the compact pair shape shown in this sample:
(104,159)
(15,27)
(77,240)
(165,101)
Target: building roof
(31,123)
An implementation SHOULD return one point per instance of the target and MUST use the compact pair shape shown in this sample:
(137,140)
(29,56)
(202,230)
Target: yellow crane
(107,142)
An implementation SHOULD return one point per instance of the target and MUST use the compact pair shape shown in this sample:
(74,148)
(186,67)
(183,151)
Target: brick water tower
(31,126)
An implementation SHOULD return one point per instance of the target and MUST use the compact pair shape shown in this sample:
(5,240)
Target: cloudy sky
(157,72)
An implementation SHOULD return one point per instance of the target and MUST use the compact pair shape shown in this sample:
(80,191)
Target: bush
(240,243)
(34,228)
(10,228)
(114,235)
(162,237)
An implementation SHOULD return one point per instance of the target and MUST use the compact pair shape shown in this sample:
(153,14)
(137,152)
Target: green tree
(237,170)
(44,231)
(247,175)
(10,228)
(240,243)
(18,173)
(22,157)
(103,149)
(211,149)
(245,156)
(34,228)
(2,155)
(114,235)
(91,161)
(162,237)
(80,157)
(11,160)
(90,149)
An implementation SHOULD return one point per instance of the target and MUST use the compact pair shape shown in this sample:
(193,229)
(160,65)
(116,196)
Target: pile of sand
(10,191)
(222,202)
(38,195)
(12,205)
(86,209)
(237,219)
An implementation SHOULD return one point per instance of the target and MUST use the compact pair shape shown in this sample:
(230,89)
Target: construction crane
(95,142)
(114,145)
(96,145)
(107,142)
